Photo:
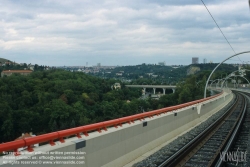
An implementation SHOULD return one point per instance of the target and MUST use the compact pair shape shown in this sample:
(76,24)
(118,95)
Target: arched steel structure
(213,82)
(234,76)
(205,90)
(225,79)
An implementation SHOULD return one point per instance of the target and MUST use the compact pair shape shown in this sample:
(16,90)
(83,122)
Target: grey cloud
(116,31)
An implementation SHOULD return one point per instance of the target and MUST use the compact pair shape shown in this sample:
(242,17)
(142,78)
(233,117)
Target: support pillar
(164,91)
(173,90)
(143,91)
(154,90)
(199,108)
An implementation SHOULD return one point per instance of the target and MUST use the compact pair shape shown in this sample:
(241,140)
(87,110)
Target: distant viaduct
(164,87)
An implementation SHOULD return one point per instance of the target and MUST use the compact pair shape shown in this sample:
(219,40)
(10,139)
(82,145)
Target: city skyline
(58,33)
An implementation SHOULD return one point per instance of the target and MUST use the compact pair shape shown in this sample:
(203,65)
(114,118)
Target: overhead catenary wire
(220,28)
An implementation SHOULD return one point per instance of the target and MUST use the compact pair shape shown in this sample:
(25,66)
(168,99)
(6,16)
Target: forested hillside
(52,100)
(47,101)
(158,74)
(13,66)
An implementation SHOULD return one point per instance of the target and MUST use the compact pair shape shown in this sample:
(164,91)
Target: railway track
(241,145)
(208,147)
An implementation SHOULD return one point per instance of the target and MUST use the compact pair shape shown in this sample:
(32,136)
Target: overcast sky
(122,32)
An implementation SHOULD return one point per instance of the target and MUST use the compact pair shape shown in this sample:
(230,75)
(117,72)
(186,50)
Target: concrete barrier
(118,146)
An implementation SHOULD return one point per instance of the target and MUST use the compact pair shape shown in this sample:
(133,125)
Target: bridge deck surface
(144,156)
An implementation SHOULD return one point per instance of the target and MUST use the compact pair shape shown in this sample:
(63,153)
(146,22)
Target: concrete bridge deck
(152,86)
(164,87)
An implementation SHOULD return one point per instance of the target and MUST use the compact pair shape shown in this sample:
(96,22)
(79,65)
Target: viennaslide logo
(234,156)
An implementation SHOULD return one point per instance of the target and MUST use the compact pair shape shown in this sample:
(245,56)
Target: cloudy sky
(122,32)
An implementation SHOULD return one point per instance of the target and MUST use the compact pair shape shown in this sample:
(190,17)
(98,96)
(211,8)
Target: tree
(72,124)
(54,126)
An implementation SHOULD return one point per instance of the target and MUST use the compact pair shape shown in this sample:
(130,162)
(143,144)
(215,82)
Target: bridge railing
(60,135)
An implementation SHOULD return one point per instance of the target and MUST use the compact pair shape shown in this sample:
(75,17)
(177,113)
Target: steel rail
(233,137)
(180,154)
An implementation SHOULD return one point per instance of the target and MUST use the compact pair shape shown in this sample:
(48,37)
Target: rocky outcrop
(192,70)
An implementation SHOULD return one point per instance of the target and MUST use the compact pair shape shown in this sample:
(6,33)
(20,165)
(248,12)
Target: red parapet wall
(50,137)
